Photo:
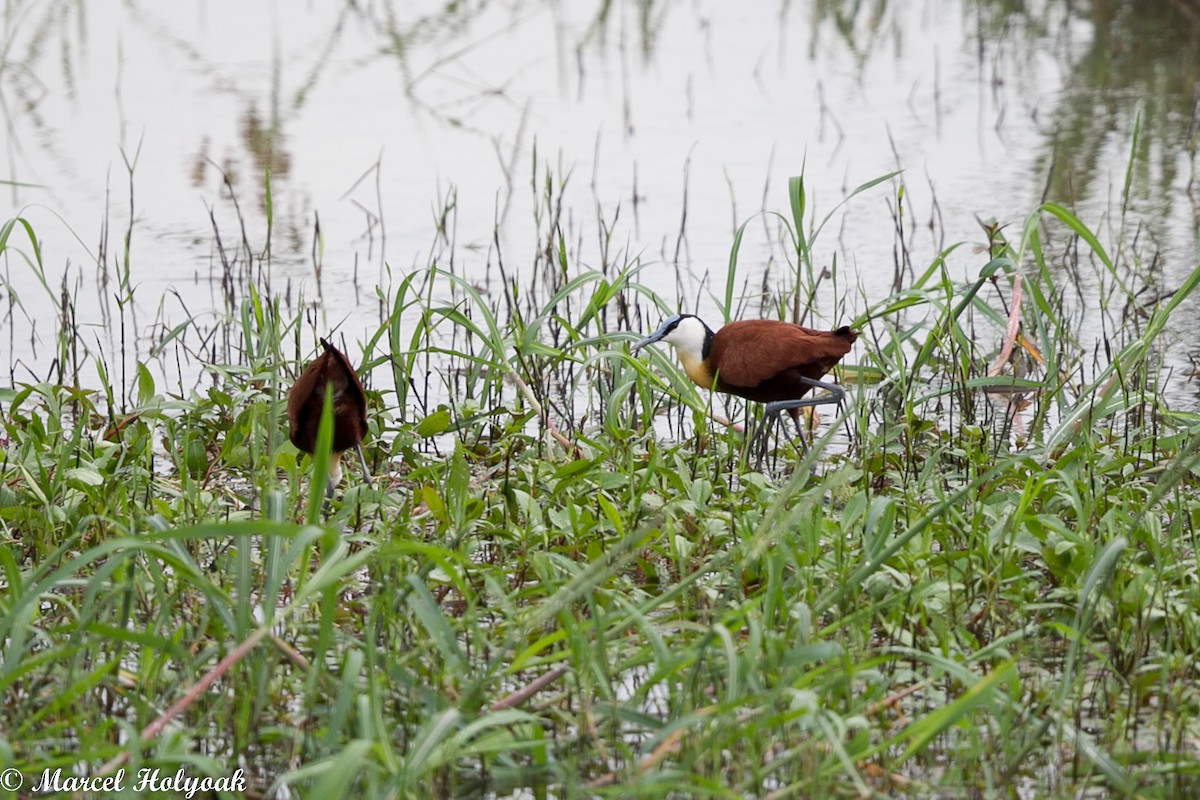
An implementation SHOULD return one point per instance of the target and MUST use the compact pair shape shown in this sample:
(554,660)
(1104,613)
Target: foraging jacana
(767,361)
(306,399)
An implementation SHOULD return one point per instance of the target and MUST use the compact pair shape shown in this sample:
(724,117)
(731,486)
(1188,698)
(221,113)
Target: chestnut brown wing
(350,404)
(304,403)
(308,394)
(759,353)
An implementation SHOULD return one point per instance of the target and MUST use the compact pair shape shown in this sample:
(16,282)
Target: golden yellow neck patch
(697,370)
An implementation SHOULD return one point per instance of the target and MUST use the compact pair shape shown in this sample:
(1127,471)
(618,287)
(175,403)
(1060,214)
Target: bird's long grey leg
(834,394)
(759,441)
(799,441)
(332,478)
(362,460)
(756,444)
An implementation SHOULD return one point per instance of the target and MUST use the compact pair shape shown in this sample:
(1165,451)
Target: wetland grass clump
(987,588)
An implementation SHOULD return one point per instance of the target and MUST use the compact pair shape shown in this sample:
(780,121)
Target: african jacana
(306,399)
(767,361)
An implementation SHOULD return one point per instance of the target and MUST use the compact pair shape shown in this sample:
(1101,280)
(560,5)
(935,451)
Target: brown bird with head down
(330,369)
(767,361)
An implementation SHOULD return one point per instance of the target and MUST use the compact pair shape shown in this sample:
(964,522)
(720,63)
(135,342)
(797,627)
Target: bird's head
(686,332)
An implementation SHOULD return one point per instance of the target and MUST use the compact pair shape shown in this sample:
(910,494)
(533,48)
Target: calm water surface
(670,123)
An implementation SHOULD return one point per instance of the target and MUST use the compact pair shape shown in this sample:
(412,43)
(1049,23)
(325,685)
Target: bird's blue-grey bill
(652,338)
(640,343)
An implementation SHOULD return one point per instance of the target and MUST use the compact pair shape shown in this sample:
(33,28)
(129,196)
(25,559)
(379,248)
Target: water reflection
(676,121)
(1142,58)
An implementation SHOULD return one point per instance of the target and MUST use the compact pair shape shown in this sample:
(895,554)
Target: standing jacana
(767,361)
(306,398)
